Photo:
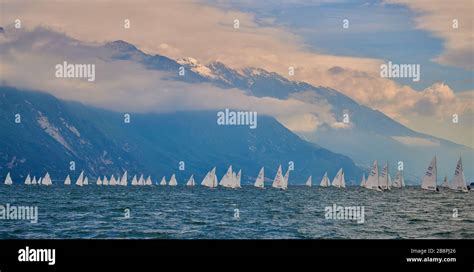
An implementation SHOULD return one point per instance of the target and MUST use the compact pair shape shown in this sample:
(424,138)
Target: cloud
(126,86)
(437,17)
(415,141)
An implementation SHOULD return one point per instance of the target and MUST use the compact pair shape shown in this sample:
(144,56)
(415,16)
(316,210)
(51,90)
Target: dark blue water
(197,213)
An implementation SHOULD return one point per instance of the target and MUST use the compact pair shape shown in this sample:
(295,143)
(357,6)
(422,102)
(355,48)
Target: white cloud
(416,141)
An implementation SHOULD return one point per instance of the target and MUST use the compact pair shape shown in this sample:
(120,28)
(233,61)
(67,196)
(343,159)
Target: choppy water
(196,213)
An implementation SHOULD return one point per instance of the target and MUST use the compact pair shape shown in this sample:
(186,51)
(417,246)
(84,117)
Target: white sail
(210,180)
(372,181)
(80,179)
(141,181)
(191,181)
(279,180)
(228,179)
(309,182)
(112,181)
(28,180)
(33,182)
(260,181)
(325,180)
(339,180)
(237,180)
(459,182)
(8,179)
(105,181)
(134,180)
(362,183)
(99,181)
(86,181)
(173,181)
(287,176)
(123,179)
(430,179)
(40,180)
(148,181)
(67,180)
(163,181)
(384,178)
(47,180)
(398,181)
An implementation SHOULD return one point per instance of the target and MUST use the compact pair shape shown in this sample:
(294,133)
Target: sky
(274,35)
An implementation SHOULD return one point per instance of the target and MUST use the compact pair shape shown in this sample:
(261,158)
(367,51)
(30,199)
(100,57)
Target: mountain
(372,135)
(52,133)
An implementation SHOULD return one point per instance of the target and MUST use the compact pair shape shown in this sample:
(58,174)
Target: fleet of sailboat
(375,181)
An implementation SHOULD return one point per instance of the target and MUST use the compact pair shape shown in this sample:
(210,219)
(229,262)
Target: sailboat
(173,181)
(28,180)
(287,176)
(362,183)
(163,181)
(459,182)
(99,181)
(134,180)
(85,181)
(228,179)
(67,180)
(33,182)
(112,181)
(80,179)
(148,181)
(429,181)
(339,180)
(372,181)
(105,181)
(47,180)
(279,181)
(123,180)
(325,181)
(141,180)
(399,181)
(191,181)
(210,180)
(445,183)
(40,180)
(237,180)
(260,181)
(8,179)
(383,179)
(308,182)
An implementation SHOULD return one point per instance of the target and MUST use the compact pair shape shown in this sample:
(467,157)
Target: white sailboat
(123,180)
(112,181)
(163,181)
(237,180)
(228,179)
(260,181)
(362,183)
(148,181)
(429,181)
(80,179)
(458,182)
(372,181)
(445,183)
(28,180)
(210,180)
(105,181)
(173,181)
(399,181)
(279,180)
(85,181)
(99,181)
(134,180)
(33,182)
(339,180)
(67,180)
(8,179)
(141,181)
(309,182)
(191,181)
(325,181)
(40,180)
(287,176)
(383,179)
(47,180)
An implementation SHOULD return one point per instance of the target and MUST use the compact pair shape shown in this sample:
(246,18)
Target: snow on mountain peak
(197,67)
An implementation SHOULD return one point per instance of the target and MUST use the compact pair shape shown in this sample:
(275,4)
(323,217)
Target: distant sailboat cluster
(231,179)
